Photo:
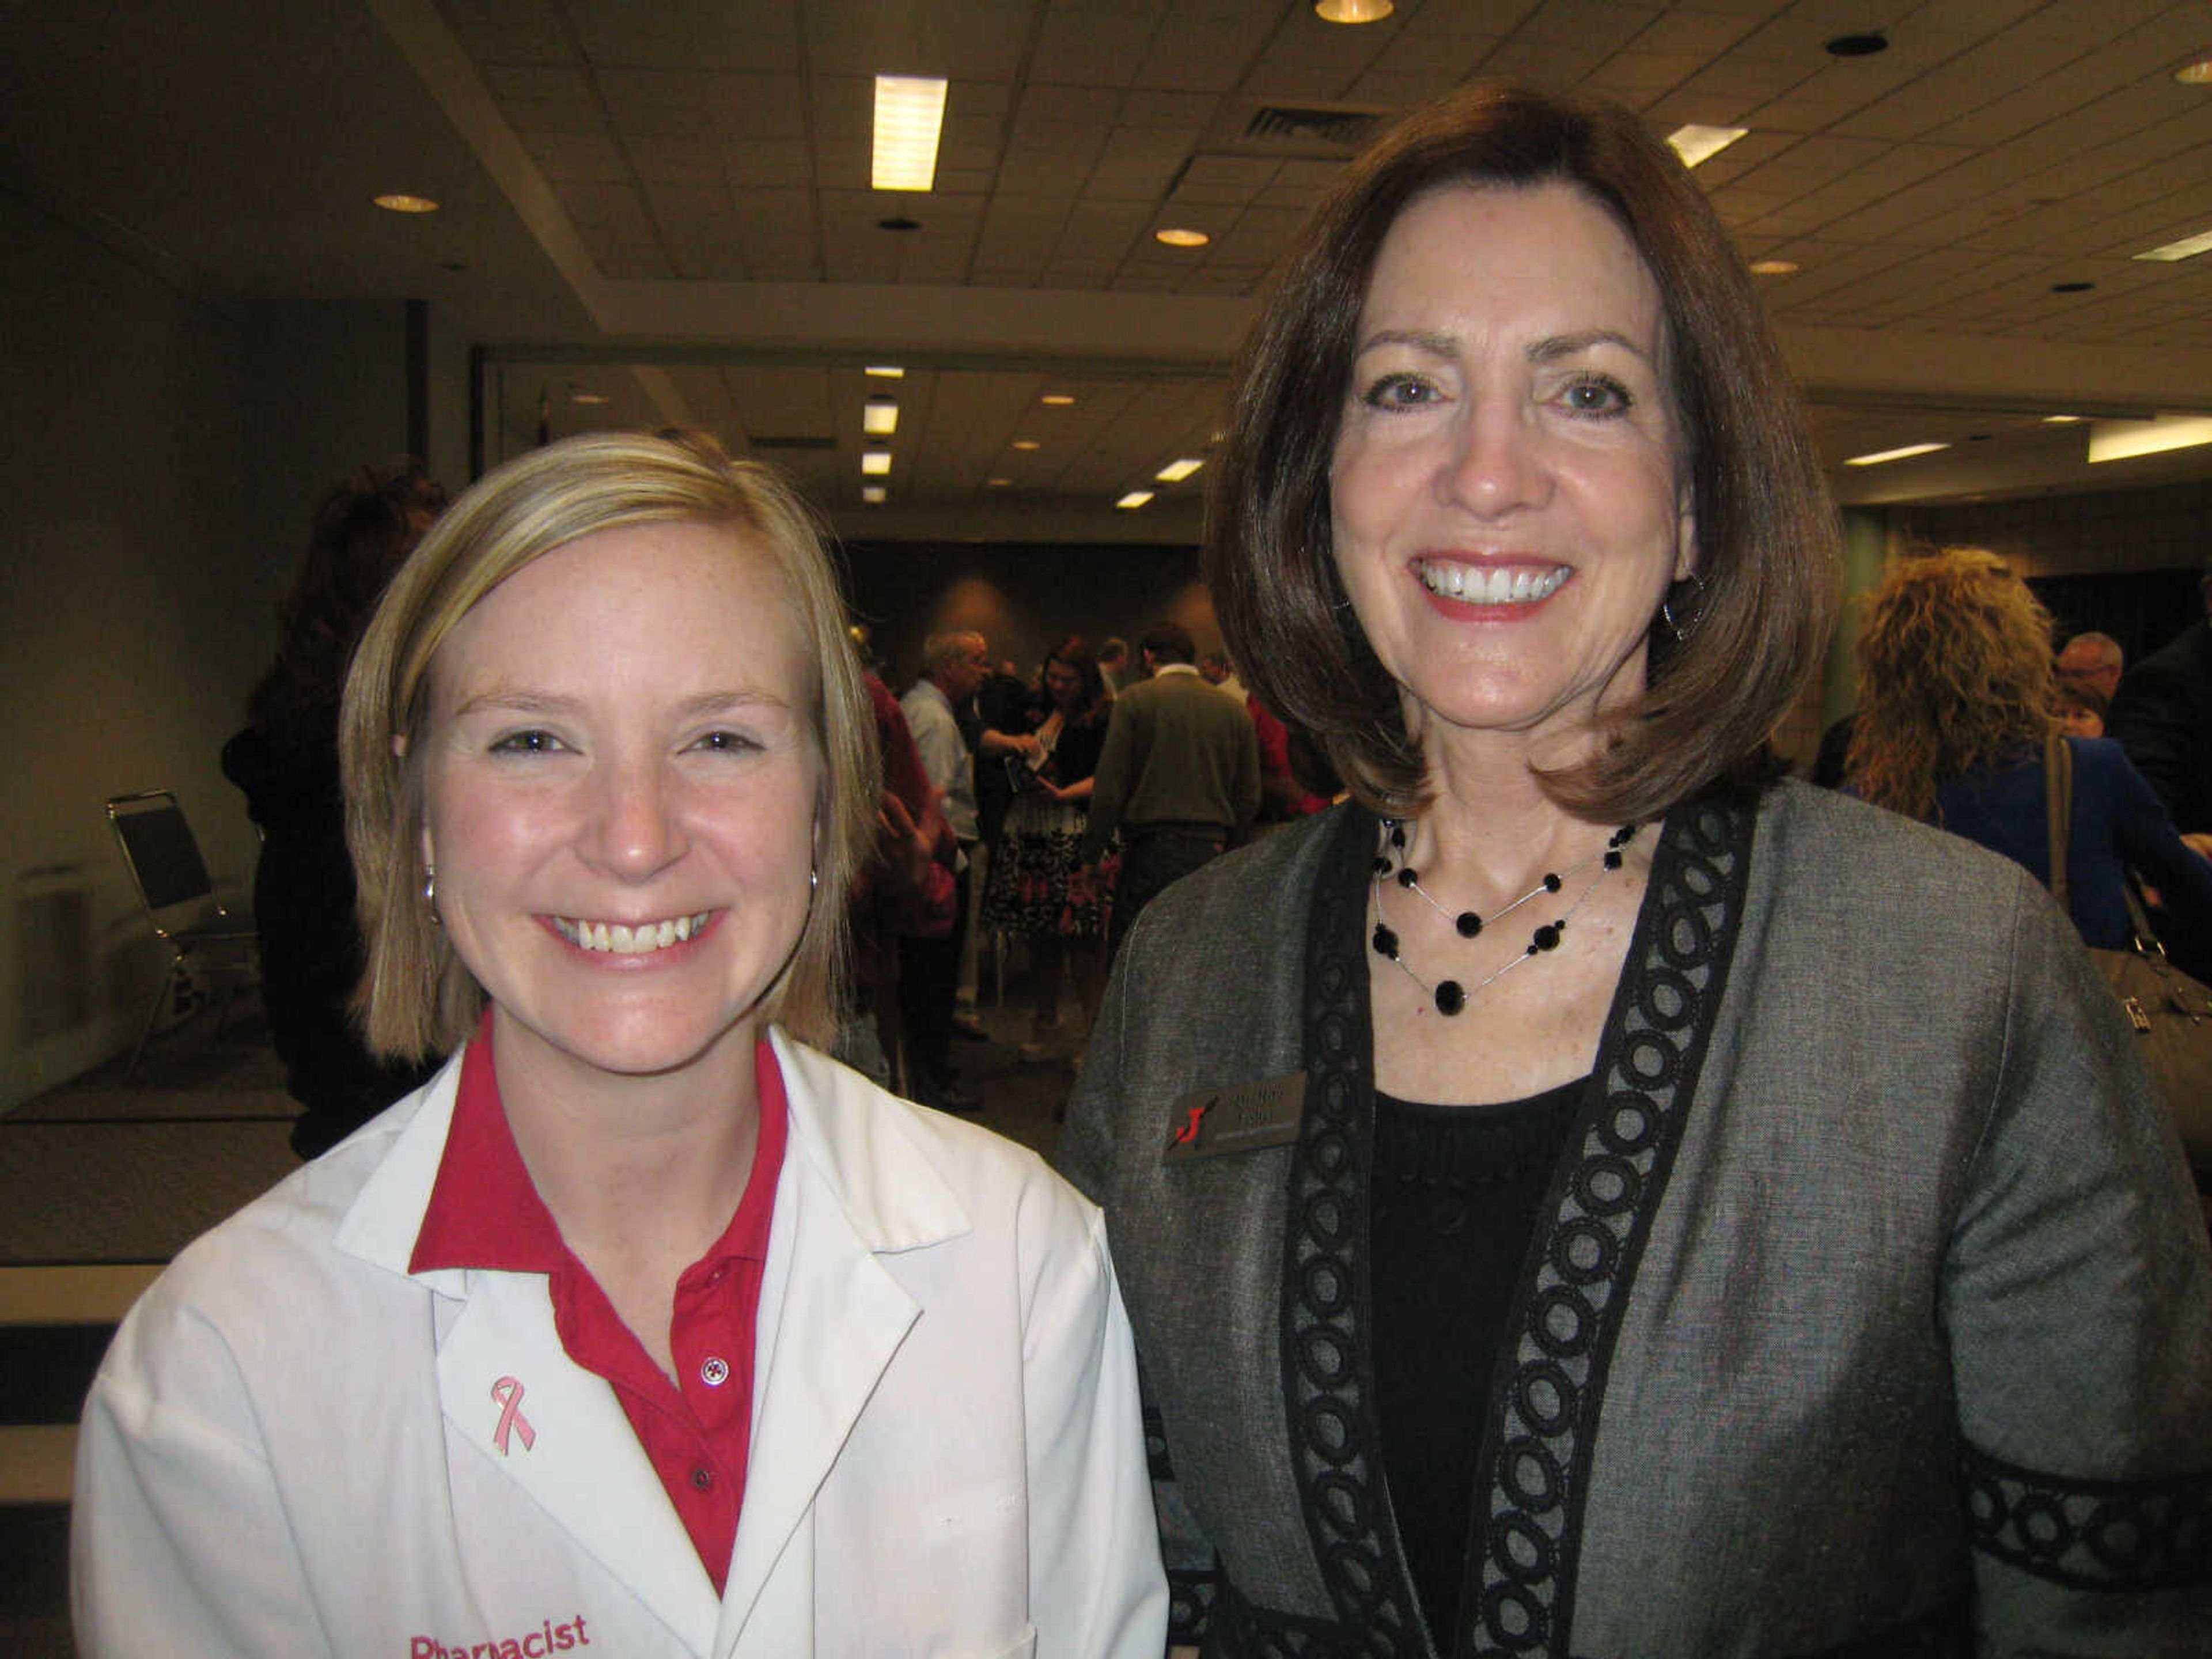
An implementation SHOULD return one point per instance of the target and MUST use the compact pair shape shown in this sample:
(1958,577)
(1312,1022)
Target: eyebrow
(1437,344)
(518,700)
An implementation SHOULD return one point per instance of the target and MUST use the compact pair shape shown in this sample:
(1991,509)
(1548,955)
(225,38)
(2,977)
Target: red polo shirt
(484,1213)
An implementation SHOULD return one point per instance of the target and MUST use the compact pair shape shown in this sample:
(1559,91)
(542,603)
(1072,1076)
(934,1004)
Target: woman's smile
(1478,584)
(625,939)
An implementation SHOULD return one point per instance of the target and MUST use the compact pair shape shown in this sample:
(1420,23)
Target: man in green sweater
(1179,777)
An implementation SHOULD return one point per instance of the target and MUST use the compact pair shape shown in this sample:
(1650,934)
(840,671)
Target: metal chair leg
(161,994)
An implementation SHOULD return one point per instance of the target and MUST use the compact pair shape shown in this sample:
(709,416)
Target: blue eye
(1400,391)
(1598,394)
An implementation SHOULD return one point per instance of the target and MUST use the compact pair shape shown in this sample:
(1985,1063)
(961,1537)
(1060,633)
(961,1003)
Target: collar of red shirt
(485,1212)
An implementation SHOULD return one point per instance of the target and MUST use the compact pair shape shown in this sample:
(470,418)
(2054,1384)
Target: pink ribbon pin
(508,1393)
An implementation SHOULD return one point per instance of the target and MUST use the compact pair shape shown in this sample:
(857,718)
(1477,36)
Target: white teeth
(1491,583)
(618,938)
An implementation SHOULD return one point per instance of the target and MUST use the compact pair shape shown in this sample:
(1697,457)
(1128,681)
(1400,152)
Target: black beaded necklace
(1448,995)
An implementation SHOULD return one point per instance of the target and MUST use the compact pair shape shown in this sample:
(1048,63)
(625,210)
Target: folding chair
(172,878)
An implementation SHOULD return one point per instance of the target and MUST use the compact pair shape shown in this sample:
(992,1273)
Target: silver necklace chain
(1448,995)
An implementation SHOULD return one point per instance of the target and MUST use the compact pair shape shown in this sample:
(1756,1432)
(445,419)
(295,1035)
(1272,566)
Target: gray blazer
(1870,1313)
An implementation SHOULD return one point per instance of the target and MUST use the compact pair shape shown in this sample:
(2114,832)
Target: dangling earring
(1680,630)
(430,894)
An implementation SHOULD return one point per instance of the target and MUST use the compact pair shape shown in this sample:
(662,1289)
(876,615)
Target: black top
(1456,1196)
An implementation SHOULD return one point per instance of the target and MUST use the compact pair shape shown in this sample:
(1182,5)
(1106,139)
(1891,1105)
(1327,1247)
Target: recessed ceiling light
(2198,73)
(588,398)
(2119,441)
(1026,443)
(1352,11)
(879,416)
(874,495)
(2071,288)
(1177,471)
(909,115)
(1881,455)
(399,202)
(1179,236)
(1774,267)
(998,484)
(2187,248)
(1056,400)
(885,372)
(1133,500)
(875,462)
(1858,45)
(2060,420)
(1694,144)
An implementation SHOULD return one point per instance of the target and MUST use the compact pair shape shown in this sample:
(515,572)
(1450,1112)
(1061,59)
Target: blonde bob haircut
(415,998)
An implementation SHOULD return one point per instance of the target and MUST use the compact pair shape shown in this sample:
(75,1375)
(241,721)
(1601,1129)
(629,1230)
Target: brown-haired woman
(644,1328)
(286,760)
(1039,888)
(1582,1197)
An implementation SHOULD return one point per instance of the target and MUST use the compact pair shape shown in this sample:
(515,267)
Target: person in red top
(644,1326)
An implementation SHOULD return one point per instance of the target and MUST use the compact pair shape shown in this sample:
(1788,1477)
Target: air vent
(792,444)
(1337,129)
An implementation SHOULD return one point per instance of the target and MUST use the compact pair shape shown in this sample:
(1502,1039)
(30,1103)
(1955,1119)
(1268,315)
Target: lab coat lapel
(559,1432)
(580,1460)
(832,1316)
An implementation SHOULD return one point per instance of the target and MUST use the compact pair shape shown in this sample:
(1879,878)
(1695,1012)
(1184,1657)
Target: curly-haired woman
(1957,698)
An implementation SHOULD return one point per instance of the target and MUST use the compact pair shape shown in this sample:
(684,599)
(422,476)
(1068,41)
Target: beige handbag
(2169,1010)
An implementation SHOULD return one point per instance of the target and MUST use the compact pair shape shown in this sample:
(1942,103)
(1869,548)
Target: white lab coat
(294,1446)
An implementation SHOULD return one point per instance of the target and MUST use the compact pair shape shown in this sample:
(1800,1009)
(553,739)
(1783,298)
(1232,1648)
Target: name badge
(1242,1119)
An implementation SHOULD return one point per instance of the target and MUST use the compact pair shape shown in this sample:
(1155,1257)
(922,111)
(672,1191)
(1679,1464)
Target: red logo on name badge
(1188,1133)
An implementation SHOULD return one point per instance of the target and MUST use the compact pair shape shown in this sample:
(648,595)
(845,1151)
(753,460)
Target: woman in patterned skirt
(1037,889)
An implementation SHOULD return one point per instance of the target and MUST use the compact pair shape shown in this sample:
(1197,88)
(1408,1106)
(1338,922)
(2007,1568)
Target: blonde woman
(644,1328)
(1957,695)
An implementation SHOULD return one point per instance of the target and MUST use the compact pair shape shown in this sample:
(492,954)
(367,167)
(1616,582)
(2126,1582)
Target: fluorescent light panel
(874,495)
(909,114)
(879,417)
(2120,441)
(1177,471)
(1881,455)
(875,462)
(1694,144)
(2187,248)
(1135,499)
(885,372)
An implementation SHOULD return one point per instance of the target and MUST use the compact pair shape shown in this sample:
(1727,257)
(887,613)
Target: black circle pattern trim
(1327,1372)
(1544,1411)
(2092,1534)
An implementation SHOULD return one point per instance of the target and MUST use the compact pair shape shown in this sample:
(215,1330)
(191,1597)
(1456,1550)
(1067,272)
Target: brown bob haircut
(417,997)
(1767,535)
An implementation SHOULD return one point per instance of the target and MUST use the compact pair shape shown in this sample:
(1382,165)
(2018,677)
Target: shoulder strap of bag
(2059,804)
